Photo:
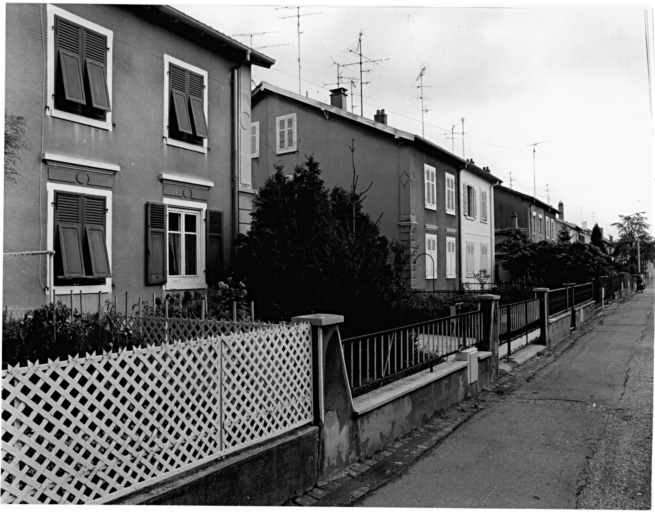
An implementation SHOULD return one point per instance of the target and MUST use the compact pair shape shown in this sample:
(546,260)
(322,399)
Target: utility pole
(547,194)
(510,180)
(423,109)
(534,168)
(298,15)
(361,56)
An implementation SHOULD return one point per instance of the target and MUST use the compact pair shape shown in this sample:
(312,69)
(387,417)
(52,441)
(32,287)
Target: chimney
(381,117)
(338,98)
(560,207)
(602,235)
(584,224)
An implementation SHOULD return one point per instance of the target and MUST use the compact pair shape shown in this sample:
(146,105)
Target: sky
(572,79)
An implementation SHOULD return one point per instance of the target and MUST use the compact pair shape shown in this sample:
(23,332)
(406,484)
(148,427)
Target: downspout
(460,239)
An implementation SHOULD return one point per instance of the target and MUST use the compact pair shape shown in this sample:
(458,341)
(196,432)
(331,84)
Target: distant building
(138,174)
(414,184)
(513,209)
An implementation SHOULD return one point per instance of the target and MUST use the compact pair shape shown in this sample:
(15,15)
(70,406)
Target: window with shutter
(286,134)
(430,187)
(450,194)
(155,243)
(214,263)
(254,139)
(483,205)
(431,256)
(186,117)
(451,257)
(81,70)
(484,255)
(81,255)
(470,259)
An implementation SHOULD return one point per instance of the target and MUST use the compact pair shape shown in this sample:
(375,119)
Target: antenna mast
(510,180)
(534,165)
(463,152)
(361,70)
(298,15)
(423,110)
(251,34)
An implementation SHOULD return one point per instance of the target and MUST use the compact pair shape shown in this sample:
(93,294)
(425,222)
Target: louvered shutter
(69,232)
(214,245)
(465,194)
(69,43)
(196,95)
(155,243)
(281,131)
(178,86)
(95,58)
(474,199)
(94,225)
(291,133)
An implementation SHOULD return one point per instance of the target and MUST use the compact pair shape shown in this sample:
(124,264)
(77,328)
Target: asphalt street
(577,435)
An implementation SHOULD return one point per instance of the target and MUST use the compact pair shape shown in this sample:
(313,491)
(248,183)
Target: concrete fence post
(489,305)
(542,295)
(333,405)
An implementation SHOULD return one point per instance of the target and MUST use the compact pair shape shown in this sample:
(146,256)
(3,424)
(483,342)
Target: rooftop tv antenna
(270,46)
(423,109)
(298,16)
(362,58)
(463,152)
(534,165)
(253,34)
(451,135)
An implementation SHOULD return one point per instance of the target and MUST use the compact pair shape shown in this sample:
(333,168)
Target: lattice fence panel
(267,383)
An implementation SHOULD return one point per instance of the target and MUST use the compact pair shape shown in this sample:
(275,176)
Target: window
(181,252)
(430,187)
(431,256)
(450,194)
(254,139)
(470,262)
(541,222)
(286,133)
(451,257)
(483,205)
(81,256)
(470,205)
(484,257)
(185,105)
(79,69)
(534,224)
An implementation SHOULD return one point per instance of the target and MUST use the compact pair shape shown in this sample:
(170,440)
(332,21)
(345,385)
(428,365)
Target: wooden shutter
(474,200)
(69,45)
(69,232)
(281,131)
(291,133)
(196,95)
(214,245)
(180,109)
(465,189)
(95,58)
(155,243)
(95,239)
(483,204)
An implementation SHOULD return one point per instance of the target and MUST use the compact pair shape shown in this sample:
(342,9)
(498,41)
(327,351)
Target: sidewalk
(361,478)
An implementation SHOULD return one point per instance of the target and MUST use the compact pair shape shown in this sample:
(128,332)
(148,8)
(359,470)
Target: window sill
(431,208)
(451,212)
(184,284)
(185,145)
(66,290)
(284,151)
(75,118)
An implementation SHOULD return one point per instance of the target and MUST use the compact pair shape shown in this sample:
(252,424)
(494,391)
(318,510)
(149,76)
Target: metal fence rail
(582,293)
(516,319)
(378,358)
(558,301)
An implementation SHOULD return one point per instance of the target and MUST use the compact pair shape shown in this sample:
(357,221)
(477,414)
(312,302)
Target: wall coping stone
(394,390)
(554,318)
(319,319)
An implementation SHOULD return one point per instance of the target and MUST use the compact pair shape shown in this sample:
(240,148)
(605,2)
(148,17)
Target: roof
(194,30)
(263,87)
(530,199)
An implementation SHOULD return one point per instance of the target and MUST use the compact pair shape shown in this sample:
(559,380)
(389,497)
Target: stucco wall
(559,327)
(135,142)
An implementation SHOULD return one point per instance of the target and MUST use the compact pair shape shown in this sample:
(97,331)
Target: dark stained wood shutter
(214,253)
(69,232)
(94,226)
(196,95)
(95,58)
(69,46)
(180,108)
(155,243)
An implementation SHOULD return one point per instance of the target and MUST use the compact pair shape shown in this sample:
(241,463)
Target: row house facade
(138,173)
(513,209)
(415,184)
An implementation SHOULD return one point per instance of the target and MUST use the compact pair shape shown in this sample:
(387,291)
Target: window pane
(281,131)
(174,254)
(190,222)
(190,255)
(174,222)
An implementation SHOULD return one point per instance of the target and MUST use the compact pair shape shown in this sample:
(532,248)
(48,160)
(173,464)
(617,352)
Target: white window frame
(484,257)
(541,225)
(168,60)
(450,194)
(433,253)
(451,257)
(52,189)
(471,205)
(470,250)
(254,134)
(534,224)
(70,116)
(430,178)
(193,282)
(483,206)
(286,149)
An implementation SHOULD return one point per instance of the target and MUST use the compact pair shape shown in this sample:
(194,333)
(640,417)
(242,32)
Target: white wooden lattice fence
(80,430)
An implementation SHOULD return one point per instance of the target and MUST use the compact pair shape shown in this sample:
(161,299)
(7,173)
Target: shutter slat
(94,210)
(95,46)
(71,71)
(68,208)
(70,245)
(95,237)
(181,112)
(196,85)
(198,115)
(98,84)
(177,78)
(68,35)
